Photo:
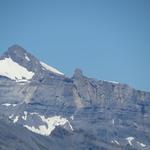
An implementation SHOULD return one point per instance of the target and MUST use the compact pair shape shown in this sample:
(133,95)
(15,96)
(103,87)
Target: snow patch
(22,81)
(34,113)
(47,124)
(72,117)
(130,139)
(16,119)
(113,121)
(14,71)
(70,125)
(25,115)
(7,104)
(115,82)
(11,116)
(51,123)
(27,58)
(40,130)
(142,144)
(49,68)
(115,142)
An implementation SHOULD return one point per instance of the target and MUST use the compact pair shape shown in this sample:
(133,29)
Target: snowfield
(14,71)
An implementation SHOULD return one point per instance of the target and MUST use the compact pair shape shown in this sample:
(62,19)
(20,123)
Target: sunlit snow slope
(14,71)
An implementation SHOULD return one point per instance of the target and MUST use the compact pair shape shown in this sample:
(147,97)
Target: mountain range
(42,109)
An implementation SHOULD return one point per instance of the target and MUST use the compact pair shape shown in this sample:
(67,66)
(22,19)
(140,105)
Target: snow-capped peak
(17,64)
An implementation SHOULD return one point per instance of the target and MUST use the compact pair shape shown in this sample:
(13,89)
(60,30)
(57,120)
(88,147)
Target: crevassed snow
(51,123)
(14,71)
(130,139)
(47,67)
(27,58)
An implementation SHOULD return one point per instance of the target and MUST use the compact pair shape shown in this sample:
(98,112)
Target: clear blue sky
(108,39)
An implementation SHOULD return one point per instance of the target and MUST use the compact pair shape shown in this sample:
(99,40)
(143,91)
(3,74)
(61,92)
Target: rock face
(76,113)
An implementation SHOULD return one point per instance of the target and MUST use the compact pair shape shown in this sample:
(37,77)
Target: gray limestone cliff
(101,115)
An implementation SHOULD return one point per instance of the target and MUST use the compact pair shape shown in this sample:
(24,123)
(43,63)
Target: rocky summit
(42,109)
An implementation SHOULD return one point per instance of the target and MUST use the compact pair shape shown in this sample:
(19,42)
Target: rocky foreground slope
(42,109)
